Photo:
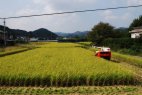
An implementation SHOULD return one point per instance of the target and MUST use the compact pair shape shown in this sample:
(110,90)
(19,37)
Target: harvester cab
(104,52)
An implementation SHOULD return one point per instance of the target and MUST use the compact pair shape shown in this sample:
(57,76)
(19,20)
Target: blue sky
(67,22)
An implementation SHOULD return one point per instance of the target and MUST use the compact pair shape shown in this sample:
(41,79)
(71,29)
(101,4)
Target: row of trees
(104,34)
(136,22)
(103,31)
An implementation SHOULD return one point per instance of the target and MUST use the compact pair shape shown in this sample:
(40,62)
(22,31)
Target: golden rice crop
(61,64)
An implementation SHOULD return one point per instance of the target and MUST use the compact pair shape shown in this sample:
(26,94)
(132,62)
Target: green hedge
(124,45)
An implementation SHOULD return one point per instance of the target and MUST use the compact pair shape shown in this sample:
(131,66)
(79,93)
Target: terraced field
(62,64)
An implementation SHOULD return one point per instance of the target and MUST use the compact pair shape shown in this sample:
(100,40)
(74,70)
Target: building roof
(137,30)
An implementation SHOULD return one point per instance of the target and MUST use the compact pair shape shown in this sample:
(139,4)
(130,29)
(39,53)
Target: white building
(33,39)
(136,32)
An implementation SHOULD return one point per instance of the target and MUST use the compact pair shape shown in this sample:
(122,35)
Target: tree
(121,33)
(136,23)
(100,32)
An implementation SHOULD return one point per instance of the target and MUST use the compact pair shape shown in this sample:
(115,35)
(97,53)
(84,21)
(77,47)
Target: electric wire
(71,12)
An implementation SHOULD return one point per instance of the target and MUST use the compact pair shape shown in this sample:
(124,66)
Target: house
(6,39)
(136,32)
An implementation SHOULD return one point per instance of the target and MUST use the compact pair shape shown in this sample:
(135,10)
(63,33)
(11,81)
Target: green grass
(61,64)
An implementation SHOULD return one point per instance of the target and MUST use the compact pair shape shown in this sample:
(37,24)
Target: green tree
(100,32)
(121,33)
(136,23)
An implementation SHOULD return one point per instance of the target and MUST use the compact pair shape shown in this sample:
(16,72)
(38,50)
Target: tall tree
(100,32)
(136,23)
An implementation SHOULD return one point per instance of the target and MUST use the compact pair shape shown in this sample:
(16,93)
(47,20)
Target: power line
(70,12)
(60,13)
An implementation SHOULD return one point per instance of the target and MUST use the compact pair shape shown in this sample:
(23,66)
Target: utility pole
(51,36)
(4,22)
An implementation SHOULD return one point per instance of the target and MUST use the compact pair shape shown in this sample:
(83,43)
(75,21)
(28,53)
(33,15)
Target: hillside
(41,33)
(18,33)
(75,34)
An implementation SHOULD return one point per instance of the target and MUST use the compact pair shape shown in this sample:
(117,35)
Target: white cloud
(134,2)
(108,15)
(49,9)
(55,23)
(126,17)
(65,23)
(55,2)
(116,19)
(38,1)
(27,12)
(71,22)
(65,4)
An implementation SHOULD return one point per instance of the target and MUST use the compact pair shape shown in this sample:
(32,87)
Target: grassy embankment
(9,50)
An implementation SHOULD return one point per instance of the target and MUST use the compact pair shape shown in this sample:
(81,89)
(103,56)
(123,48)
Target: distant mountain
(19,33)
(9,32)
(61,34)
(43,34)
(75,34)
(40,33)
(78,34)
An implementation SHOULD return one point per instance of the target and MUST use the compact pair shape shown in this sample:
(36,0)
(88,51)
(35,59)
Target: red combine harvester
(104,52)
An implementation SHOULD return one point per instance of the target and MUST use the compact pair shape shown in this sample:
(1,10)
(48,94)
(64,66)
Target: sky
(68,22)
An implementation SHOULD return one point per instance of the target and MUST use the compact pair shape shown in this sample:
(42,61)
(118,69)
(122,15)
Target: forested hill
(39,33)
(43,34)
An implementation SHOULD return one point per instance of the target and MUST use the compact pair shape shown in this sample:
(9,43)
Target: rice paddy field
(4,51)
(55,64)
